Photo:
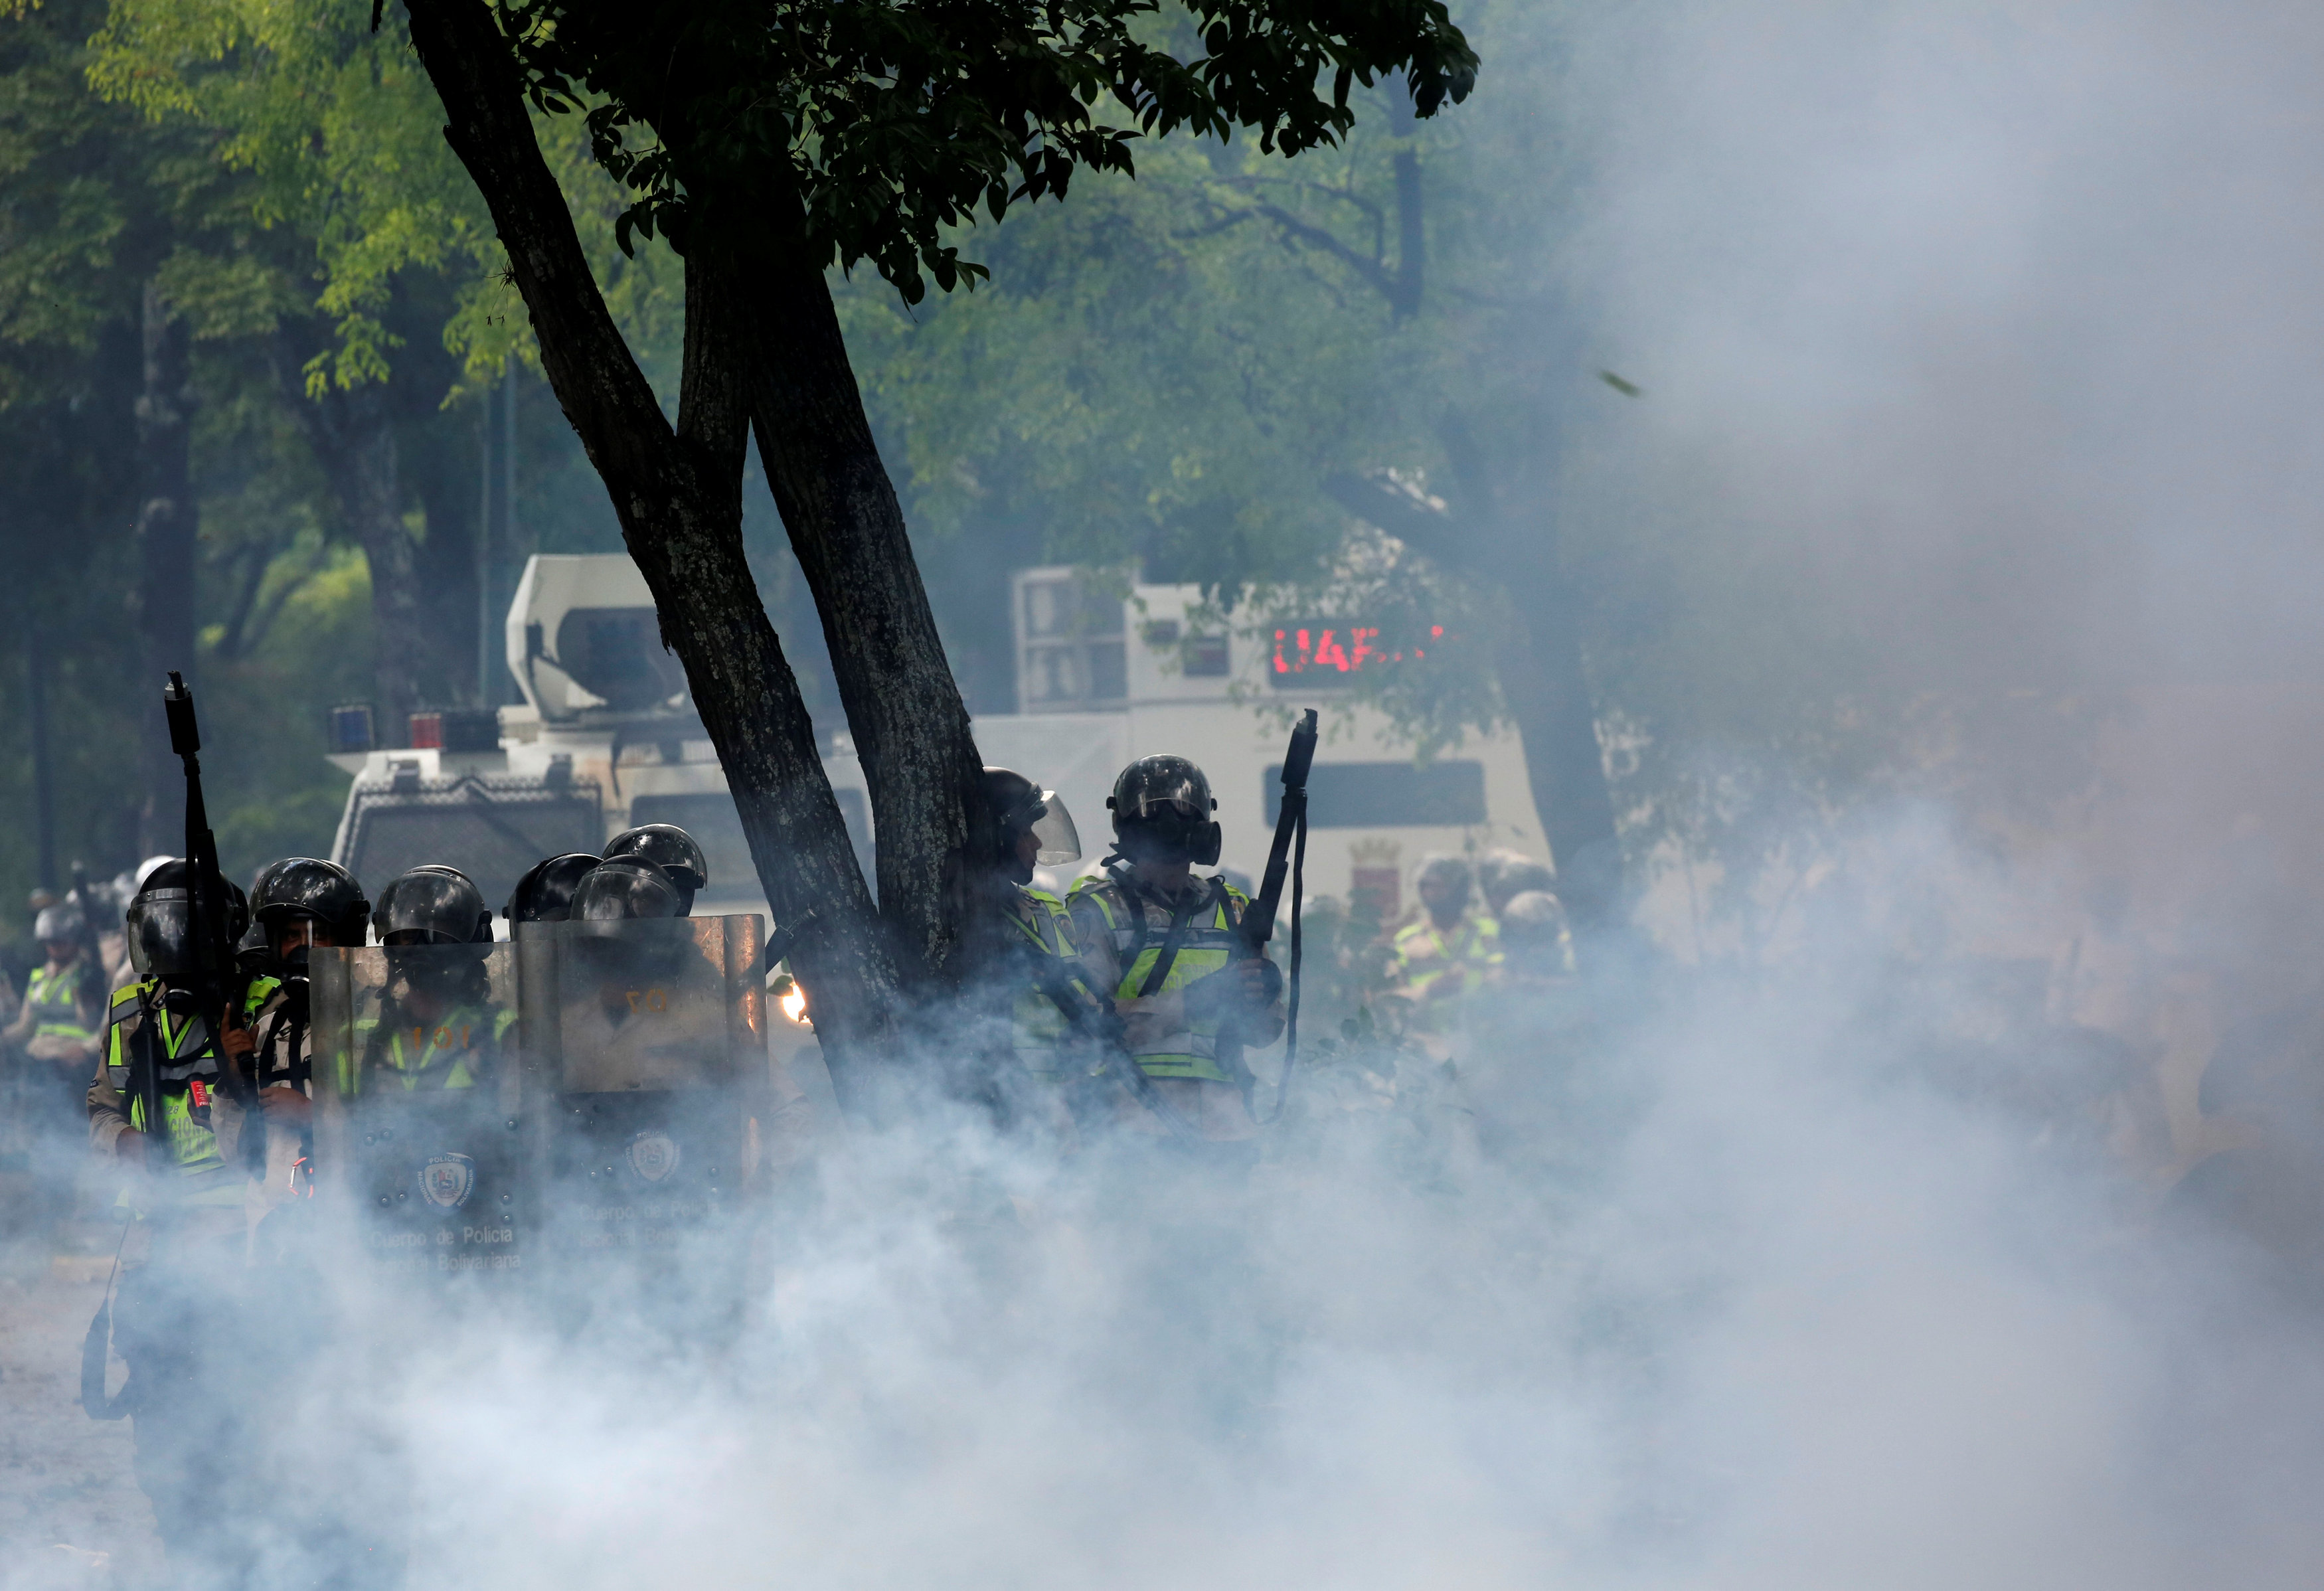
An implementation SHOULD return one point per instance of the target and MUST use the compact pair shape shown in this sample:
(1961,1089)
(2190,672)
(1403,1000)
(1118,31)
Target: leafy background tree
(1205,370)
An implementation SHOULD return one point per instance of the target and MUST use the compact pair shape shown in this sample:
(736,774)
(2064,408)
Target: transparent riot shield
(649,1038)
(420,1099)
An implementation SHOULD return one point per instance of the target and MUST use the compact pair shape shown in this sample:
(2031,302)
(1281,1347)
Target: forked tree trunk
(678,494)
(910,726)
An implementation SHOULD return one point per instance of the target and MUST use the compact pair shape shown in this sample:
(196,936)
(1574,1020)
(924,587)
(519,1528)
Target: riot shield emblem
(653,1154)
(419,1099)
(446,1180)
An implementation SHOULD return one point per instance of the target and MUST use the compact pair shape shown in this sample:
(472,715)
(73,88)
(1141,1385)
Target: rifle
(1096,1020)
(1257,924)
(214,979)
(1288,853)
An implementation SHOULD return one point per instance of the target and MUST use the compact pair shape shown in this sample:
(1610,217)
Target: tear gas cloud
(1996,324)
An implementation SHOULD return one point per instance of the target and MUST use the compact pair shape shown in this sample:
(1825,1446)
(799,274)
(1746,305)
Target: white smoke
(1998,323)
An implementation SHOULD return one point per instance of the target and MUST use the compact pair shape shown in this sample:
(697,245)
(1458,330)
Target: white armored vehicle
(606,738)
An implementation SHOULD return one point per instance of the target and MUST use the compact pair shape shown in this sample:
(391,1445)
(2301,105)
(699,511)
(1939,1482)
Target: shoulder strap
(1182,917)
(1134,903)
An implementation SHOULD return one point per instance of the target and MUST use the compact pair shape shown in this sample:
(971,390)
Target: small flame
(794,1005)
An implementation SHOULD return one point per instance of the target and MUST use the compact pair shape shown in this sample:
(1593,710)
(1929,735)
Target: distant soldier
(1529,1059)
(1535,949)
(1163,941)
(1450,951)
(1503,876)
(57,1029)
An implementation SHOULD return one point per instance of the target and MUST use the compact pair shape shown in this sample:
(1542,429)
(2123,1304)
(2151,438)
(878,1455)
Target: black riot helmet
(160,920)
(432,904)
(254,953)
(309,887)
(1020,808)
(1162,808)
(671,848)
(545,894)
(61,923)
(620,888)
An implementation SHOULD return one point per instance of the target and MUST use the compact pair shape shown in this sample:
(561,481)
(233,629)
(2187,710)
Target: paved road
(71,1514)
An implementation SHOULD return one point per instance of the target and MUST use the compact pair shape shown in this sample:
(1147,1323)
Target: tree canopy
(1171,370)
(891,125)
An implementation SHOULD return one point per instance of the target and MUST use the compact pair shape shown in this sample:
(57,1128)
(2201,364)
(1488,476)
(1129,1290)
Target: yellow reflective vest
(185,1055)
(1469,950)
(56,1003)
(1037,1028)
(458,1050)
(1122,937)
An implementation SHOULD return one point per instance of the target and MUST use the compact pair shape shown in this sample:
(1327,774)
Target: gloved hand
(1241,987)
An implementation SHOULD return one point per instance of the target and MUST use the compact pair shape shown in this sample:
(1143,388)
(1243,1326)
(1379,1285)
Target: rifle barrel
(1258,920)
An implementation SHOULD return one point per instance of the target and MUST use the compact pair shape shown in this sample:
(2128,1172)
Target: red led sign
(1319,648)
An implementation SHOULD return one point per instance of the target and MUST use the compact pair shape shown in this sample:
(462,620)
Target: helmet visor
(1157,789)
(441,908)
(1054,831)
(161,934)
(58,925)
(621,889)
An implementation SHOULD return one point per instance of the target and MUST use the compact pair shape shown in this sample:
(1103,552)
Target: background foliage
(1164,371)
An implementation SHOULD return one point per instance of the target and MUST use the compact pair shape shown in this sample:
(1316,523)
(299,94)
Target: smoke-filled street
(73,1515)
(1225,795)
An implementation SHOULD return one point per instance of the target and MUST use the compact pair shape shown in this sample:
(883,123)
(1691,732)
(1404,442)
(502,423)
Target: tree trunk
(910,726)
(353,434)
(1545,685)
(678,494)
(1543,677)
(166,530)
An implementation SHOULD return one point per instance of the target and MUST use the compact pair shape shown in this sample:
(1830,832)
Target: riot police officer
(297,904)
(545,894)
(673,850)
(625,887)
(1033,830)
(439,1027)
(47,1053)
(63,1003)
(166,1100)
(1452,950)
(1163,941)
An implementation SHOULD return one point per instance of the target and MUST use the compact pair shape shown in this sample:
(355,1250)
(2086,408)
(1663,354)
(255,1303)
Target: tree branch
(1373,273)
(596,379)
(1411,518)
